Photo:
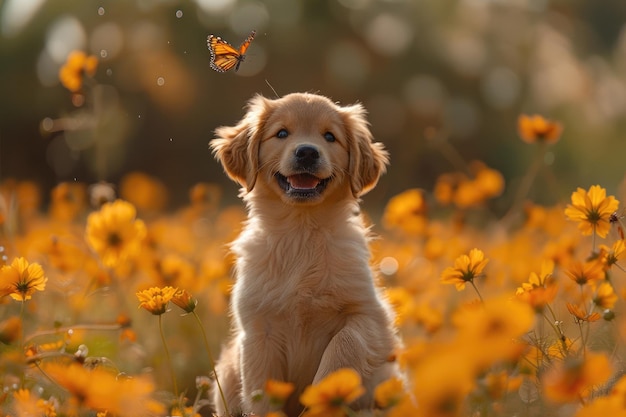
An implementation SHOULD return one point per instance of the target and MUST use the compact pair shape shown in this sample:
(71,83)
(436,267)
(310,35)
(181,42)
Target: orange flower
(611,404)
(584,272)
(185,301)
(155,299)
(20,280)
(540,290)
(10,330)
(67,201)
(575,377)
(441,385)
(114,233)
(605,296)
(491,332)
(98,389)
(407,211)
(78,65)
(610,256)
(533,129)
(466,192)
(147,193)
(27,404)
(333,394)
(592,210)
(389,393)
(465,269)
(278,391)
(580,315)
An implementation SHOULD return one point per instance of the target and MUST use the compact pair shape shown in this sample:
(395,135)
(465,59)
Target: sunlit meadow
(111,306)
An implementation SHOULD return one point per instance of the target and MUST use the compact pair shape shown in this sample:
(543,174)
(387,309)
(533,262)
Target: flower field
(111,306)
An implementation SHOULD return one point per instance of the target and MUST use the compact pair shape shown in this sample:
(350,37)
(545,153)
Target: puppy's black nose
(306,155)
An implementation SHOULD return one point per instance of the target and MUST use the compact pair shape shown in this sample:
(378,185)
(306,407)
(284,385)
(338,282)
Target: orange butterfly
(223,56)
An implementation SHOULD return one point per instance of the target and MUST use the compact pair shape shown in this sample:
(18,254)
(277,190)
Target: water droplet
(179,13)
(109,72)
(101,11)
(160,81)
(171,139)
(46,124)
(139,116)
(103,53)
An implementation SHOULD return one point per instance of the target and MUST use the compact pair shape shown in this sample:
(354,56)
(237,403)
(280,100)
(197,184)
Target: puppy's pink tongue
(303,181)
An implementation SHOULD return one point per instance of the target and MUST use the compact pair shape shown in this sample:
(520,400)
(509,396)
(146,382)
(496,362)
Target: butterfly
(223,56)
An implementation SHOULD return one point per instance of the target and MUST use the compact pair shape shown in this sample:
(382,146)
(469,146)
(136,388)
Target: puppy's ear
(368,159)
(237,147)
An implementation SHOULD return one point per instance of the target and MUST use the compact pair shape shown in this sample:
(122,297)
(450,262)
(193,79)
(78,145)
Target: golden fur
(304,303)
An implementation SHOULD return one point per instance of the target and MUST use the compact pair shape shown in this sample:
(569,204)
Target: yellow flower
(25,403)
(592,210)
(20,279)
(540,290)
(331,395)
(605,296)
(278,391)
(78,65)
(98,390)
(533,129)
(389,393)
(491,332)
(10,330)
(67,201)
(465,269)
(185,412)
(147,193)
(155,299)
(441,384)
(465,191)
(173,269)
(575,377)
(489,181)
(185,301)
(407,211)
(537,281)
(583,272)
(114,233)
(580,315)
(446,186)
(611,404)
(610,256)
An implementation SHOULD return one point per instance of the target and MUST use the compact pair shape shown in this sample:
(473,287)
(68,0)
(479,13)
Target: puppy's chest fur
(304,275)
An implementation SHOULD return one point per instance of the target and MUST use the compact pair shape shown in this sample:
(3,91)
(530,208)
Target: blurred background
(460,69)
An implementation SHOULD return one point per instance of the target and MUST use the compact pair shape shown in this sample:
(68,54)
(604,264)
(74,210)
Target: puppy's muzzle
(303,183)
(306,158)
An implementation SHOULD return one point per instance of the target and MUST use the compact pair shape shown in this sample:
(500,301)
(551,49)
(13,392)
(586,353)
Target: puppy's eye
(329,137)
(282,134)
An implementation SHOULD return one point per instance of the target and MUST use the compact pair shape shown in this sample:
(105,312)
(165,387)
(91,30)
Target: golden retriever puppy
(304,303)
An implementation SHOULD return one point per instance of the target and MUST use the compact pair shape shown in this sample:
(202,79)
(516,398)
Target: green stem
(22,326)
(348,411)
(593,240)
(169,358)
(477,292)
(212,362)
(582,337)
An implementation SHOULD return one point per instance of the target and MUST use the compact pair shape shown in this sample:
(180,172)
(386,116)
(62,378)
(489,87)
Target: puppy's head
(303,147)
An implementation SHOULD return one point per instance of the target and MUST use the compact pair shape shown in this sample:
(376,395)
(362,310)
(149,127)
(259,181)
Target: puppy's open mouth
(302,186)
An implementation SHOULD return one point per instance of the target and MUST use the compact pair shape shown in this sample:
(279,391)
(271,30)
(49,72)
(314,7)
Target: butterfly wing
(245,44)
(223,56)
(244,47)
